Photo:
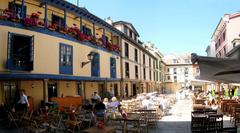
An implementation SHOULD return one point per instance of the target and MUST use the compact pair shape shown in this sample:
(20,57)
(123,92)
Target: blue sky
(175,26)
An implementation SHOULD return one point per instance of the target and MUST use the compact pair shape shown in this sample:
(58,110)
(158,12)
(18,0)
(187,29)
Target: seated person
(87,106)
(114,104)
(99,108)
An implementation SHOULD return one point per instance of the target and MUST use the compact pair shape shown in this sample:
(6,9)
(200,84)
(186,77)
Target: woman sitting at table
(99,109)
(106,102)
(87,106)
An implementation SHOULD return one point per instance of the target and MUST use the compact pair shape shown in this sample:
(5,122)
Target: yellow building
(138,64)
(52,48)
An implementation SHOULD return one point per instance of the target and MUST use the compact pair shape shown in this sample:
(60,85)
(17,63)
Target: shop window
(66,58)
(20,52)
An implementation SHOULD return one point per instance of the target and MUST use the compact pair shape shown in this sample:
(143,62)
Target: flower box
(40,24)
(52,27)
(30,22)
(63,30)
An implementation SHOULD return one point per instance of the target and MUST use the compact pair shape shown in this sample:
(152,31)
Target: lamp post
(90,57)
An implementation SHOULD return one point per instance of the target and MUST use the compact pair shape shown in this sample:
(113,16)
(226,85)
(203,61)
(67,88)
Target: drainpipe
(121,68)
(45,16)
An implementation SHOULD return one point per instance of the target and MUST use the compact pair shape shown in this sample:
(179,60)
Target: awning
(218,69)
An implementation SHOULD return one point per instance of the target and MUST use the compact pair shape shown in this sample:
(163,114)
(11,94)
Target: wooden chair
(228,130)
(31,126)
(73,122)
(132,126)
(198,124)
(12,119)
(215,122)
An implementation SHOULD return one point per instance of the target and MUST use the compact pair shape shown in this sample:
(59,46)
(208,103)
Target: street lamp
(90,57)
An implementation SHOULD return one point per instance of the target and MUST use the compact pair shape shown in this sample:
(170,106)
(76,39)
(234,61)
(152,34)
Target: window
(186,61)
(168,70)
(66,55)
(131,33)
(168,77)
(136,55)
(224,35)
(150,75)
(58,20)
(175,78)
(154,64)
(159,65)
(125,30)
(136,72)
(113,68)
(20,53)
(154,78)
(95,65)
(174,61)
(135,37)
(144,73)
(224,50)
(126,69)
(144,59)
(234,45)
(126,50)
(174,70)
(88,31)
(18,9)
(186,70)
(150,63)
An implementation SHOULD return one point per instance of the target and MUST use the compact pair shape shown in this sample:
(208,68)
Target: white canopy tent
(225,70)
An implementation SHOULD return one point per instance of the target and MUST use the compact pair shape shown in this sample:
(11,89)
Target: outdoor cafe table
(105,129)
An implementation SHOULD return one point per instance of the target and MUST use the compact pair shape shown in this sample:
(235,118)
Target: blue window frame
(95,64)
(65,59)
(20,52)
(113,73)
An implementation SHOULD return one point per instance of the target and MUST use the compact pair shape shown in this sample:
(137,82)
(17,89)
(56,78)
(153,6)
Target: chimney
(109,20)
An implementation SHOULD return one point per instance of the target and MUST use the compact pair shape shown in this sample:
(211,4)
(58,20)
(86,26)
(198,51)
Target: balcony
(33,21)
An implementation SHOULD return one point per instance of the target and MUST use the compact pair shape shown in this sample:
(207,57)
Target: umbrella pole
(219,95)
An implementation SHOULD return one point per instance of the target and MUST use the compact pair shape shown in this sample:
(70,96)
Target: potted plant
(63,30)
(40,24)
(52,27)
(73,31)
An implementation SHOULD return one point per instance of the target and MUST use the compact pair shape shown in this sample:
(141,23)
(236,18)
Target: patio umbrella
(218,69)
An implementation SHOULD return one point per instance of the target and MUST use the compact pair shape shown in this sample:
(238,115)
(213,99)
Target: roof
(126,23)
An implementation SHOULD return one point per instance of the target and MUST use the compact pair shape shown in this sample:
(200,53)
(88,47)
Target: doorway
(126,90)
(115,89)
(11,93)
(134,90)
(52,90)
(101,90)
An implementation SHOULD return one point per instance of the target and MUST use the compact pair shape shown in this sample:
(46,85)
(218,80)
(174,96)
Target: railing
(33,20)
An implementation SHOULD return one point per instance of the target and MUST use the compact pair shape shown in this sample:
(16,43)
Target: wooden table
(106,129)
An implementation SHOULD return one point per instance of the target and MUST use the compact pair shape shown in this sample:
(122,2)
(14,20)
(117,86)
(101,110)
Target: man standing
(22,103)
(95,97)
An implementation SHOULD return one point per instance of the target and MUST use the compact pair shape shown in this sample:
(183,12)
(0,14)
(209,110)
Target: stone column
(45,90)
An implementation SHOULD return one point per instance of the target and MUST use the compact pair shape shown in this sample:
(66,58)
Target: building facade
(52,48)
(224,38)
(179,73)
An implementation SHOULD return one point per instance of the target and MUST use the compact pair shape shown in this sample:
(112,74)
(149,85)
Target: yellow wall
(90,88)
(46,54)
(33,89)
(67,88)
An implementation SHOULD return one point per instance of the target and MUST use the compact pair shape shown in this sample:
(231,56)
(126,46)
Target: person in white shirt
(95,97)
(22,103)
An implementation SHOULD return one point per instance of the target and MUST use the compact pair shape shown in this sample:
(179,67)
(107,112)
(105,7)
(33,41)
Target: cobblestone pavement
(177,120)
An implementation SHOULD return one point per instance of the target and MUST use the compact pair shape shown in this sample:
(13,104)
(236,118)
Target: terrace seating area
(75,117)
(209,116)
